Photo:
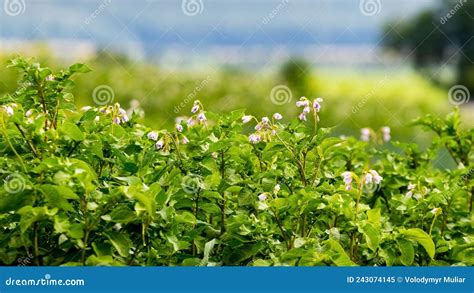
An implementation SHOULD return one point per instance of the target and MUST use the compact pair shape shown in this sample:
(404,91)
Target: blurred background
(375,62)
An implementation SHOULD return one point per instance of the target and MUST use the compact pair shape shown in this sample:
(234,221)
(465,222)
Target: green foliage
(95,187)
(370,98)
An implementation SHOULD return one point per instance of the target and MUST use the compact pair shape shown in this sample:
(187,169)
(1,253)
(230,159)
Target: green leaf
(374,217)
(185,217)
(337,254)
(13,202)
(62,225)
(207,251)
(372,236)
(123,214)
(422,238)
(71,130)
(105,260)
(30,215)
(54,197)
(79,68)
(407,252)
(121,242)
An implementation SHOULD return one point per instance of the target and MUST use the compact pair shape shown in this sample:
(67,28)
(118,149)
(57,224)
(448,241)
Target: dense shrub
(93,187)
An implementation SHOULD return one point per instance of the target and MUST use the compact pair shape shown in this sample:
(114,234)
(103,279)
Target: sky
(201,28)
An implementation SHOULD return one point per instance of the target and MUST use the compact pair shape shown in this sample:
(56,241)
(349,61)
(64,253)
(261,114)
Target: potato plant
(94,187)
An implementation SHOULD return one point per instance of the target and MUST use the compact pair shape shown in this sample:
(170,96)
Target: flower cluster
(366,134)
(309,107)
(265,129)
(9,109)
(118,114)
(179,128)
(369,177)
(199,114)
(416,193)
(153,135)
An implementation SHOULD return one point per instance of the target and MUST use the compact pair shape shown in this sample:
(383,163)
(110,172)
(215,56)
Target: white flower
(276,189)
(152,135)
(417,196)
(274,132)
(347,179)
(277,116)
(377,177)
(97,118)
(86,108)
(159,144)
(195,108)
(317,105)
(50,77)
(302,117)
(9,110)
(124,118)
(29,112)
(306,110)
(255,138)
(346,174)
(185,140)
(386,130)
(134,103)
(190,122)
(122,111)
(302,102)
(365,134)
(368,178)
(201,117)
(411,186)
(409,193)
(436,211)
(179,127)
(258,126)
(246,118)
(262,197)
(116,120)
(265,120)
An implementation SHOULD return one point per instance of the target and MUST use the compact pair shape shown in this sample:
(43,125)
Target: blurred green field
(352,99)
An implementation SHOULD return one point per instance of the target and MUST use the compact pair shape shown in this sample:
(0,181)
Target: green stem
(432,224)
(30,145)
(13,149)
(36,247)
